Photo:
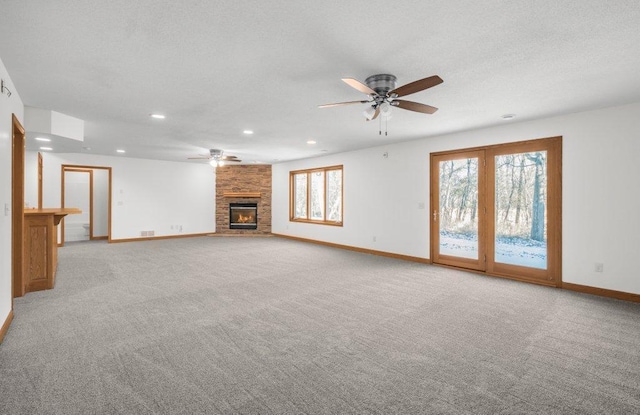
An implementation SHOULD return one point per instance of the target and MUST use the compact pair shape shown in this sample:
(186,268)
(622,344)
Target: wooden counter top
(57,213)
(52,211)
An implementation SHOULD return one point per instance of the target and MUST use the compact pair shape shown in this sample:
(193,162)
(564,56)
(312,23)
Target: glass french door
(498,210)
(457,211)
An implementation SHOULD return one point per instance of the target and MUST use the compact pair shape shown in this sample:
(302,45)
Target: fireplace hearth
(243,216)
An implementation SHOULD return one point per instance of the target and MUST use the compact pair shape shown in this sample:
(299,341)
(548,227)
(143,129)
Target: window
(316,195)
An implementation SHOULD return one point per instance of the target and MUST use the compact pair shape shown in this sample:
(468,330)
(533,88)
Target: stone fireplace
(243,216)
(239,186)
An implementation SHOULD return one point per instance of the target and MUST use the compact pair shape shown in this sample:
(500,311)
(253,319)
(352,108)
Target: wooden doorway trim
(17,208)
(72,167)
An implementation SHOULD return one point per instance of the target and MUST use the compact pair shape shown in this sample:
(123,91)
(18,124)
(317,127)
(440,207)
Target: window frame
(292,194)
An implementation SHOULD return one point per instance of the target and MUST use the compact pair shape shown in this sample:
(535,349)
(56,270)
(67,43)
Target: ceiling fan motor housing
(215,153)
(381,83)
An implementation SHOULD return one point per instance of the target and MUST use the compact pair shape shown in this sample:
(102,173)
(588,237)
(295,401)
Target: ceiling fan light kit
(369,113)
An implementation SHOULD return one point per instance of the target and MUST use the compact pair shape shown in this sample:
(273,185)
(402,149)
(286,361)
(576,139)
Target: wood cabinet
(40,238)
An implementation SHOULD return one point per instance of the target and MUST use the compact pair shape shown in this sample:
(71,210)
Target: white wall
(31,179)
(601,200)
(169,198)
(100,202)
(8,106)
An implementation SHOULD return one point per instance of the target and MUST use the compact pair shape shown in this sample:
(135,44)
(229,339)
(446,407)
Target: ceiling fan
(217,157)
(383,95)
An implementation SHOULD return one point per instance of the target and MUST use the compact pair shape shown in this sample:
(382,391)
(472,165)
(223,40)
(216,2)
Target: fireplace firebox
(243,216)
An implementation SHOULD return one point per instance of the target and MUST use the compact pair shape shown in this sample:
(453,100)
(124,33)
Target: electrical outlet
(598,267)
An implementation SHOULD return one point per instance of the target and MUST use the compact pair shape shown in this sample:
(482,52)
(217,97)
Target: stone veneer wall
(243,178)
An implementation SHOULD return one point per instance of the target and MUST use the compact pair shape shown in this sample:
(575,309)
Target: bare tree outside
(520,208)
(521,197)
(317,195)
(334,195)
(300,196)
(458,208)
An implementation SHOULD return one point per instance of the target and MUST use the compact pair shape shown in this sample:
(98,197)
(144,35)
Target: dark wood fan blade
(416,86)
(338,104)
(229,157)
(354,83)
(414,106)
(233,160)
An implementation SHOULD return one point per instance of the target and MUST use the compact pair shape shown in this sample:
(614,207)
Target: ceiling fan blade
(354,83)
(416,86)
(414,106)
(375,114)
(338,104)
(234,160)
(229,158)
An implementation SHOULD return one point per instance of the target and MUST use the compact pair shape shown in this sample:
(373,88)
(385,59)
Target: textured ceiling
(216,68)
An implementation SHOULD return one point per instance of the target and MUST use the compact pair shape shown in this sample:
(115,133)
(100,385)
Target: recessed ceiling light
(311,142)
(508,116)
(158,116)
(247,132)
(46,148)
(120,150)
(43,139)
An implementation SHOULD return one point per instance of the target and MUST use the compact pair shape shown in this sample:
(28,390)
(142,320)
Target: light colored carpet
(272,326)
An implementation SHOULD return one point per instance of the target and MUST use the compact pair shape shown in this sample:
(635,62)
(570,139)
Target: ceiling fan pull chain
(380,126)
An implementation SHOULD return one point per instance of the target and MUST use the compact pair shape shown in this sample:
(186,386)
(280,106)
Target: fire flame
(244,219)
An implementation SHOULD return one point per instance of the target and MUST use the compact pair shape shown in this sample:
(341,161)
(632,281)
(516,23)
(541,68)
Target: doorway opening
(89,189)
(497,210)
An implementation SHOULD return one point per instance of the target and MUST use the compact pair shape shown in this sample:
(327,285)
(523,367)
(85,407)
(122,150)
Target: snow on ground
(509,250)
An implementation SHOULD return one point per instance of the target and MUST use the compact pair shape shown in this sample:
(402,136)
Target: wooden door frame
(84,168)
(17,208)
(552,276)
(40,168)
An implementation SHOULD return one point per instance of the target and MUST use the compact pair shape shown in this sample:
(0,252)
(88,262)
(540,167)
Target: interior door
(457,209)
